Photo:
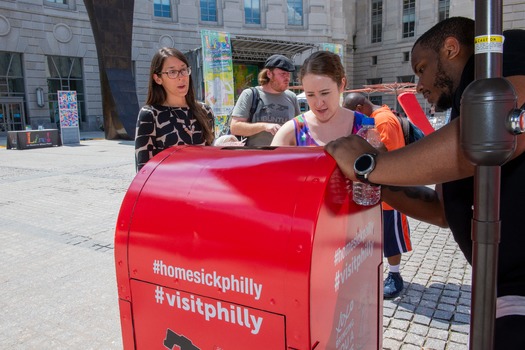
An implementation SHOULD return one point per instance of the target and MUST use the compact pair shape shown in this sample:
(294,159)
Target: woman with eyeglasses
(171,116)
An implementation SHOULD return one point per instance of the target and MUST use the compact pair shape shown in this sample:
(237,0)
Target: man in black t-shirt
(443,60)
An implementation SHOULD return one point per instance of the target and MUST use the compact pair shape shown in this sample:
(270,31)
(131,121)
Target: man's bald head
(353,99)
(358,102)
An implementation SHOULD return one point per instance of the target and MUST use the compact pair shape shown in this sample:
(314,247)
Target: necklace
(186,123)
(188,131)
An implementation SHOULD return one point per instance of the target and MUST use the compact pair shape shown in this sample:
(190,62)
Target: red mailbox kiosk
(247,248)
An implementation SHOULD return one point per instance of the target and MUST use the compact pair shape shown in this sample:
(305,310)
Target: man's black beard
(445,84)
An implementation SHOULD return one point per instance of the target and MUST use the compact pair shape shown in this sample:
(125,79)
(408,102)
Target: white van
(303,104)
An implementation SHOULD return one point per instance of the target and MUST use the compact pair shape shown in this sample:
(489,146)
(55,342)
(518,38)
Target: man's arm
(241,112)
(421,203)
(241,127)
(435,159)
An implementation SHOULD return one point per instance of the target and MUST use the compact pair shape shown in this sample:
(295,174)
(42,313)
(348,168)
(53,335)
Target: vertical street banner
(218,74)
(68,114)
(337,49)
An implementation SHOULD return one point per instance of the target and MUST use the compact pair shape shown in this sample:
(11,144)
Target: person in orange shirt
(396,232)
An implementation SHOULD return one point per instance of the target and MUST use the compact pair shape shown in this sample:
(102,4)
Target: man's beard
(275,85)
(446,85)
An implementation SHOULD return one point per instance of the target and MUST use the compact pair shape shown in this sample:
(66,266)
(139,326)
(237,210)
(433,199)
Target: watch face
(363,164)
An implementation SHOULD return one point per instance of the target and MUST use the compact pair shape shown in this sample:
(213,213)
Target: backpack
(225,130)
(411,132)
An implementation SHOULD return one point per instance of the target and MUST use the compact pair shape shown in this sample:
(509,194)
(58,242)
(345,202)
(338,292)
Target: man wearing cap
(276,105)
(443,59)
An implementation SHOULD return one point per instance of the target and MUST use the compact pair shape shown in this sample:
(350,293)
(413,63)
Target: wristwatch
(364,165)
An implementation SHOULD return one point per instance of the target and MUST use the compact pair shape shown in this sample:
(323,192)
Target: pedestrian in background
(171,116)
(275,104)
(396,231)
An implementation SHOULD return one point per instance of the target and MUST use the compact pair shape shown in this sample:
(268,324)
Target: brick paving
(433,312)
(57,283)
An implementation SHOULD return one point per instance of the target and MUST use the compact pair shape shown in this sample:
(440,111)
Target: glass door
(12,116)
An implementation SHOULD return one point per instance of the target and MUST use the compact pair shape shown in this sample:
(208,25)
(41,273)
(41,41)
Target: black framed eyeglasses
(174,74)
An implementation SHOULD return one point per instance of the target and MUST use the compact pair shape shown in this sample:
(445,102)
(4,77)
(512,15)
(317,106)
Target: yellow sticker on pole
(490,43)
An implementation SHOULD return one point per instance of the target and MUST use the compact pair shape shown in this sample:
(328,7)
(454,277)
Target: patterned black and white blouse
(160,127)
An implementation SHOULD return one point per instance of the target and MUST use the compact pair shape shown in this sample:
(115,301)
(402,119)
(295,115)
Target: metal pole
(485,240)
(486,142)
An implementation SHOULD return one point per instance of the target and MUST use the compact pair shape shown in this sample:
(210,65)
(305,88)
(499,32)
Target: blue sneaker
(393,285)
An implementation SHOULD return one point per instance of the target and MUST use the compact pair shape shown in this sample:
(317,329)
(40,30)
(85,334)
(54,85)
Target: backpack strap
(255,102)
(225,129)
(405,126)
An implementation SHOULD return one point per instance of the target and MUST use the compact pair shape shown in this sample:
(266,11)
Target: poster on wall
(68,114)
(218,74)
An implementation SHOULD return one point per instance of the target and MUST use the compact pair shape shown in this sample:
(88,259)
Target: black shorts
(509,332)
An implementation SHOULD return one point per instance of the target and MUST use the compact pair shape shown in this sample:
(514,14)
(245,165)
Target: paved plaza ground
(57,283)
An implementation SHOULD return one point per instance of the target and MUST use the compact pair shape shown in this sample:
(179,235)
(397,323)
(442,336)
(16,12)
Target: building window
(374,60)
(374,81)
(406,79)
(65,73)
(63,4)
(444,9)
(209,10)
(12,92)
(406,56)
(409,18)
(377,100)
(252,12)
(295,12)
(11,75)
(162,8)
(377,21)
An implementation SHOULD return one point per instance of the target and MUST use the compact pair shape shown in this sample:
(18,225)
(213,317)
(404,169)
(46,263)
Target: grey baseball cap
(281,62)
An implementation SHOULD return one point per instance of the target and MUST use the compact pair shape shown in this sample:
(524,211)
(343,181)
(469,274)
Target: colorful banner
(337,49)
(218,74)
(68,114)
(68,108)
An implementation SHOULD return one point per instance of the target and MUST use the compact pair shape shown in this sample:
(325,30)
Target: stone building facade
(48,45)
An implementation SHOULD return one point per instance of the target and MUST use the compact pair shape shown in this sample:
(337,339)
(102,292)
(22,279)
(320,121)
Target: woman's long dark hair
(157,94)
